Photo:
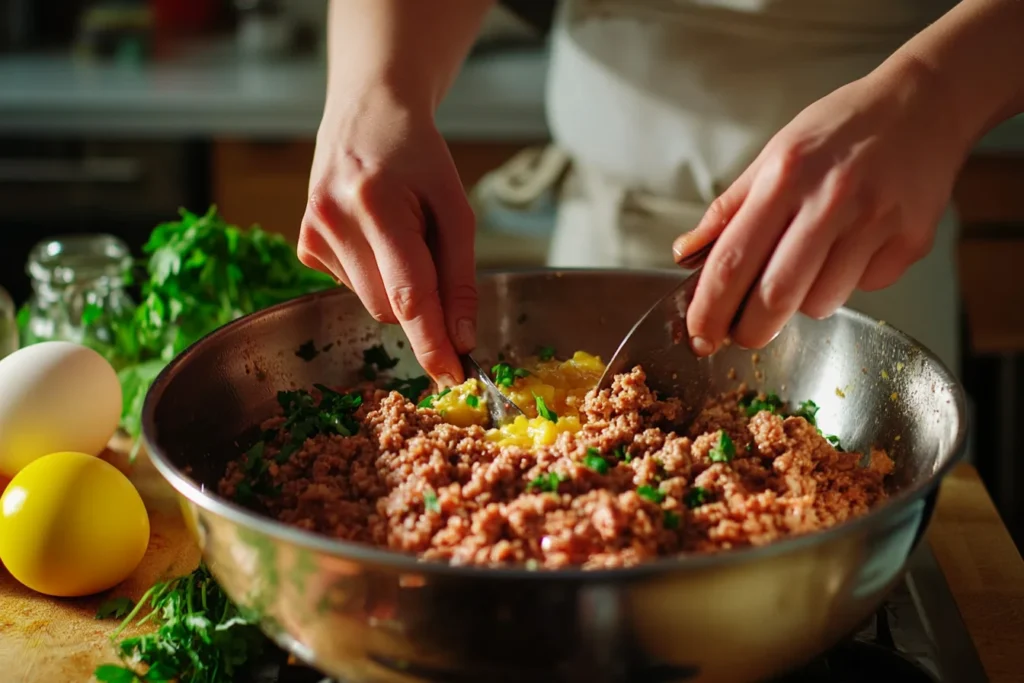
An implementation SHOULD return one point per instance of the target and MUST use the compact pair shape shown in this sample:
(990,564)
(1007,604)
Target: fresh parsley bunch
(201,637)
(200,274)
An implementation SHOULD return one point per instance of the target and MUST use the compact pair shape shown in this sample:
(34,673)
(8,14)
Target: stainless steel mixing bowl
(363,614)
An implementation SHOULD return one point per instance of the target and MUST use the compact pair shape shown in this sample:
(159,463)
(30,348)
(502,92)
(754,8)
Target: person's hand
(388,217)
(847,196)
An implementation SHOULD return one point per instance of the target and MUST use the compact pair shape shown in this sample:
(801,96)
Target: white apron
(660,104)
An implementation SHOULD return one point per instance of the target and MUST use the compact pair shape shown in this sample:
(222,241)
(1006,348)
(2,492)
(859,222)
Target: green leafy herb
(670,520)
(376,360)
(622,454)
(430,501)
(505,375)
(809,411)
(547,483)
(696,497)
(834,440)
(428,401)
(650,493)
(593,460)
(754,404)
(307,351)
(201,637)
(200,273)
(412,387)
(543,410)
(115,608)
(724,450)
(546,353)
(473,401)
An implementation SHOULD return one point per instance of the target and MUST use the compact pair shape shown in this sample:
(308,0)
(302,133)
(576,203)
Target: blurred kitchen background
(115,114)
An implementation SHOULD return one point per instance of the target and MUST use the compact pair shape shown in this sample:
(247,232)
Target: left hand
(847,196)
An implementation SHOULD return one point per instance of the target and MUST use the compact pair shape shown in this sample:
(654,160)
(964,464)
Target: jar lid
(78,258)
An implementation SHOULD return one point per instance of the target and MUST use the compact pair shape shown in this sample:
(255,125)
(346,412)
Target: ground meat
(410,482)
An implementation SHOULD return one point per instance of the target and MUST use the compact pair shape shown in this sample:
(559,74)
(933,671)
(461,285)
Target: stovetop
(916,637)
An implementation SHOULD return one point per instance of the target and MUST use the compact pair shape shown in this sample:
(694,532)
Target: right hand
(387,216)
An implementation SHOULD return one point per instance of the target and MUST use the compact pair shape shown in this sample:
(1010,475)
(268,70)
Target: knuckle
(839,185)
(725,265)
(786,162)
(462,296)
(368,187)
(777,296)
(718,212)
(321,206)
(408,301)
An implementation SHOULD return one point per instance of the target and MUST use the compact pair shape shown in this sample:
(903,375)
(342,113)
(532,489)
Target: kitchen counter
(207,91)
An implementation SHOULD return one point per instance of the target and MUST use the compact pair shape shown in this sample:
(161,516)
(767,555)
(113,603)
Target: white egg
(55,396)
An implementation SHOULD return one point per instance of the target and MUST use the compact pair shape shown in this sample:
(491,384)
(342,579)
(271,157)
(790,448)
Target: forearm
(974,57)
(411,47)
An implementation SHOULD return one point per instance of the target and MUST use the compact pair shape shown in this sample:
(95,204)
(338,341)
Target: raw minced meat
(631,485)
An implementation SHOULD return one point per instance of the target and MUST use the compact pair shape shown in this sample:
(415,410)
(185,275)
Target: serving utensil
(676,619)
(658,341)
(499,406)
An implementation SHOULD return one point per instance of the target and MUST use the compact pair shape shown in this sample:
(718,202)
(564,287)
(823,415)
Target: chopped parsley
(834,440)
(411,388)
(650,493)
(430,501)
(115,608)
(622,454)
(428,401)
(376,360)
(593,460)
(809,411)
(670,520)
(548,483)
(201,636)
(724,450)
(505,375)
(696,497)
(543,410)
(754,404)
(546,353)
(473,401)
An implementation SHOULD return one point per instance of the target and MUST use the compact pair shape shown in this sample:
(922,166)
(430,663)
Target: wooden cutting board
(44,640)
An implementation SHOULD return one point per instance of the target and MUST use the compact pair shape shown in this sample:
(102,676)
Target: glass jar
(8,327)
(79,294)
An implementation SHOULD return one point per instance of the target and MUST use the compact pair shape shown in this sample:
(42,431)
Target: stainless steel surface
(659,340)
(364,614)
(500,408)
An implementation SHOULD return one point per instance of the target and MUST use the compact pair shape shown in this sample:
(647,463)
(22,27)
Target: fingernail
(445,382)
(465,330)
(701,346)
(679,248)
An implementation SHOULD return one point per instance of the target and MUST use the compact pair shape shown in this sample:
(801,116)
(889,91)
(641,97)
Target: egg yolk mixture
(548,390)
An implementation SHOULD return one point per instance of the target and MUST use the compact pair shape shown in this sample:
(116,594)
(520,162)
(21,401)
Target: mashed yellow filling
(553,387)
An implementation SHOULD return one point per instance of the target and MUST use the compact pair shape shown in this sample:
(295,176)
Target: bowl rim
(400,562)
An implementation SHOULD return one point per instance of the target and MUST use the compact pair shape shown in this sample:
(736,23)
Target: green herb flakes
(473,401)
(505,375)
(546,353)
(670,520)
(430,501)
(543,410)
(428,401)
(547,483)
(593,460)
(376,360)
(650,493)
(411,388)
(754,404)
(696,497)
(809,411)
(834,440)
(724,450)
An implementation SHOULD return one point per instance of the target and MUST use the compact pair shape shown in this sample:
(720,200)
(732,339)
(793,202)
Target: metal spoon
(501,409)
(658,341)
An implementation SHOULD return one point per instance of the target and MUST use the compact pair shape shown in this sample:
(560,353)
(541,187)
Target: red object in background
(184,17)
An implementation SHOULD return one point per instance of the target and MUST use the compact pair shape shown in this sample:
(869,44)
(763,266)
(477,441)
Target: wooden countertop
(44,640)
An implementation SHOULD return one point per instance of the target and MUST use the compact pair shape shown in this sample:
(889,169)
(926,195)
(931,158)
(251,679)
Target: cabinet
(267,182)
